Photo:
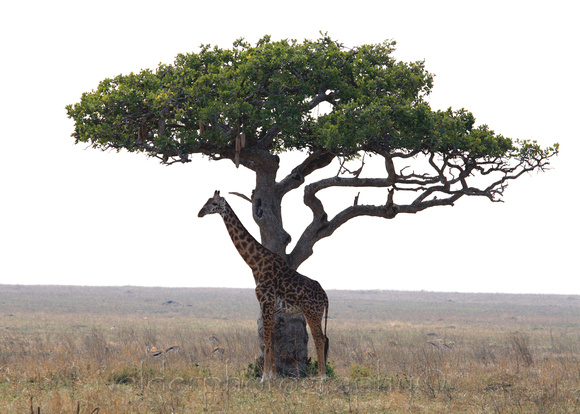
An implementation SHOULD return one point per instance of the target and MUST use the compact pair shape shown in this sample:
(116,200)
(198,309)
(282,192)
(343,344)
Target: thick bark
(267,213)
(291,347)
(291,337)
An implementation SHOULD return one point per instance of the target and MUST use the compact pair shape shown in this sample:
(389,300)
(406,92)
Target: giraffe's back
(296,291)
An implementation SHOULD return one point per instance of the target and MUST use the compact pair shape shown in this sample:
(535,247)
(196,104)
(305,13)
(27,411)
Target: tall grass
(479,361)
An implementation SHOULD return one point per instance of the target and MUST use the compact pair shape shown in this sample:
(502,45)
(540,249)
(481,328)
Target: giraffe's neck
(251,251)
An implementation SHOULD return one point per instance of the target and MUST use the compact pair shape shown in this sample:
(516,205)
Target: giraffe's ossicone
(279,288)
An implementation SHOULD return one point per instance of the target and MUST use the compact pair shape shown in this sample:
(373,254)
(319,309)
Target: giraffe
(279,288)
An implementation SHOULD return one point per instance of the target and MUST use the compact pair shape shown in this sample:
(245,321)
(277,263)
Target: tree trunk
(291,338)
(291,349)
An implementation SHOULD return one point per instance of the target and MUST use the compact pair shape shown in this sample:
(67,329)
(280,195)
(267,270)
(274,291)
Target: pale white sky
(71,215)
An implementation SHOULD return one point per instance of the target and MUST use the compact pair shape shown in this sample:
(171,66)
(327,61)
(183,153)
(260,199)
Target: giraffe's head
(215,205)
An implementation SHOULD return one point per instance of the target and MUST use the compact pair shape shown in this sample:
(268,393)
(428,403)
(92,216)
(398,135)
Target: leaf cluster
(281,95)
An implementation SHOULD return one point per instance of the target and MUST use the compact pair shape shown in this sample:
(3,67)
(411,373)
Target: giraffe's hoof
(267,377)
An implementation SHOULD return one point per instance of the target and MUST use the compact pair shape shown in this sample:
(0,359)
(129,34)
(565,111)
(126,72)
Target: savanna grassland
(83,349)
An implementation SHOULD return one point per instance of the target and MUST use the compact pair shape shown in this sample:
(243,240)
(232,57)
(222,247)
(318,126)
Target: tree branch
(266,141)
(446,181)
(315,161)
(245,197)
(320,97)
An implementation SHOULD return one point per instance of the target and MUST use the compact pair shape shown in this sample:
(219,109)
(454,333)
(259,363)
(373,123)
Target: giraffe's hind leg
(315,324)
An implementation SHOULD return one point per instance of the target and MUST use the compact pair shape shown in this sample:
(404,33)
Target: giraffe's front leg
(269,330)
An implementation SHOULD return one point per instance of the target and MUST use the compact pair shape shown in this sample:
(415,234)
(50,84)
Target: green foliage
(252,371)
(272,92)
(311,369)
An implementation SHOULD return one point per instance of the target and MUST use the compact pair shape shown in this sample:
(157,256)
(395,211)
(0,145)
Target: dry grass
(67,349)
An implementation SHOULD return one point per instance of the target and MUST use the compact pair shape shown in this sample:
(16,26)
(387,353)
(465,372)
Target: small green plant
(311,369)
(356,371)
(253,371)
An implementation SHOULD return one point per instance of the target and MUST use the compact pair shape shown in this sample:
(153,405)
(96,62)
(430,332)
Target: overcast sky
(72,215)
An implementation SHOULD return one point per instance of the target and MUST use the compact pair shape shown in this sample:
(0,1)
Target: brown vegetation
(80,349)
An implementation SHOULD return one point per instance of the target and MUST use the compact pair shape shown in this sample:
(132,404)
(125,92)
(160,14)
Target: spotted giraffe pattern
(279,288)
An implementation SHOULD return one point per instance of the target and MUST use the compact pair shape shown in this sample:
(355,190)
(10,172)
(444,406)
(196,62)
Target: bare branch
(245,197)
(356,173)
(449,176)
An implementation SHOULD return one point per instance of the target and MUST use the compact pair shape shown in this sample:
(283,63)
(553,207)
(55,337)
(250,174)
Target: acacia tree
(248,104)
